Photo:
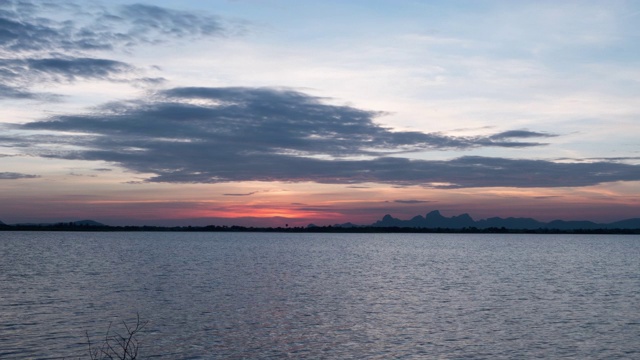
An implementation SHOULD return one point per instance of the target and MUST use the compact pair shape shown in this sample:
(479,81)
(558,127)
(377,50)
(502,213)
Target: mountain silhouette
(88,223)
(73,223)
(435,219)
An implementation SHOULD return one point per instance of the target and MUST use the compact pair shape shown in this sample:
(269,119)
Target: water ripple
(376,296)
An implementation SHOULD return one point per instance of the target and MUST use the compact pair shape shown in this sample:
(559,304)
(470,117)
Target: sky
(274,112)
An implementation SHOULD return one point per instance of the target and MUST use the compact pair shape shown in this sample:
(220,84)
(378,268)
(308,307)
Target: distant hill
(88,223)
(626,224)
(72,223)
(436,220)
(433,221)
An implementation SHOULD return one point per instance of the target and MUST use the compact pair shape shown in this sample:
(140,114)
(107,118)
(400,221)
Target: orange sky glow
(246,113)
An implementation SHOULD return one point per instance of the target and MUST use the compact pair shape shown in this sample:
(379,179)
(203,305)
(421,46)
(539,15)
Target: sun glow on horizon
(183,122)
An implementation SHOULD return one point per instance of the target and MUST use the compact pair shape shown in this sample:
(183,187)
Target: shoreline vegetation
(71,226)
(433,222)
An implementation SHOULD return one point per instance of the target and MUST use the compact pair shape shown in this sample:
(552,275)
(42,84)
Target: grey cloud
(242,194)
(72,68)
(179,24)
(411,201)
(16,34)
(475,171)
(28,33)
(611,159)
(510,138)
(20,73)
(250,122)
(207,135)
(43,42)
(12,92)
(36,26)
(456,173)
(15,176)
(514,134)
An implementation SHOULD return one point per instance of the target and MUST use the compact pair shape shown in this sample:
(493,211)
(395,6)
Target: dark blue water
(242,295)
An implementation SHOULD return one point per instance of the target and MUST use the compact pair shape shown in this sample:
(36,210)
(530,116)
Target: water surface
(264,295)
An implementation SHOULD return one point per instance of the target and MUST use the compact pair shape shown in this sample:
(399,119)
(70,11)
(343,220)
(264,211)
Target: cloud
(161,22)
(411,201)
(241,124)
(209,135)
(515,134)
(476,171)
(15,176)
(243,194)
(627,159)
(52,42)
(70,69)
(27,26)
(22,73)
(17,93)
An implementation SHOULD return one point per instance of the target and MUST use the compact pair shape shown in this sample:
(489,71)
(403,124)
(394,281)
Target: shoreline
(315,229)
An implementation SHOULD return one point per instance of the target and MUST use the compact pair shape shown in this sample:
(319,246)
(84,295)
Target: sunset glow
(257,113)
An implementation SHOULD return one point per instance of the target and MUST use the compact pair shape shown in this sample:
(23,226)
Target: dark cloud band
(28,26)
(52,42)
(15,176)
(207,135)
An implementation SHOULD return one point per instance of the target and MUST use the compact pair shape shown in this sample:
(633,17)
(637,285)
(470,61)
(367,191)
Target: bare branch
(116,346)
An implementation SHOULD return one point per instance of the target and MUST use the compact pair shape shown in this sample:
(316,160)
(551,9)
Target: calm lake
(374,296)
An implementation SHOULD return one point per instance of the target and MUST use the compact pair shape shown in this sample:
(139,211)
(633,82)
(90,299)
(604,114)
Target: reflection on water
(246,295)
